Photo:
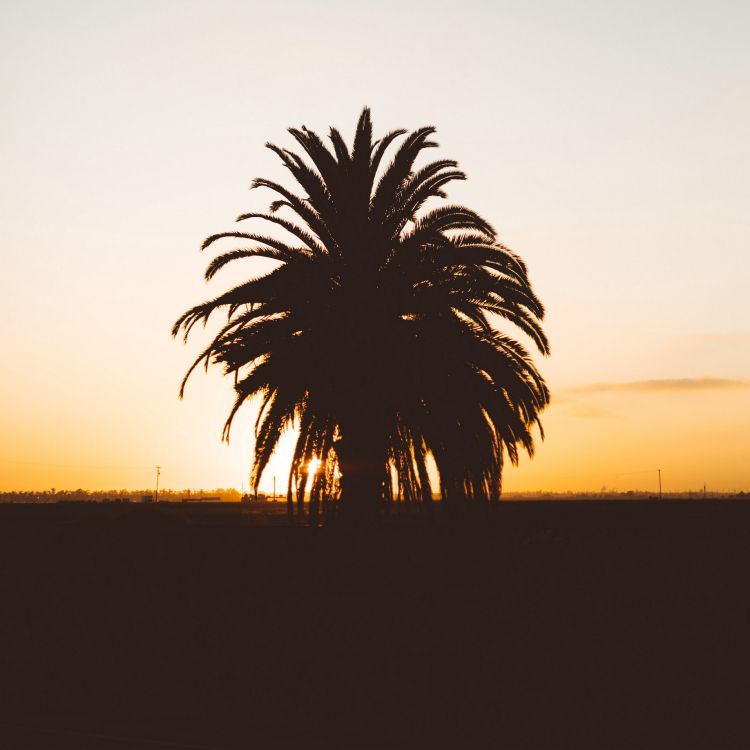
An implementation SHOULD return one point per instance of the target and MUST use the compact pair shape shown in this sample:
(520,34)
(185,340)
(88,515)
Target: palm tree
(375,333)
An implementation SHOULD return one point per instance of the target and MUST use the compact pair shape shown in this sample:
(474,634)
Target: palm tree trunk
(424,484)
(290,496)
(361,462)
(301,487)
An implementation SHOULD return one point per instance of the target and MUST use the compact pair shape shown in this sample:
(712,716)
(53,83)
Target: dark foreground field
(550,625)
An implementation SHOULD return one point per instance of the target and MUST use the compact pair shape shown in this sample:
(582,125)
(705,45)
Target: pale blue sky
(607,142)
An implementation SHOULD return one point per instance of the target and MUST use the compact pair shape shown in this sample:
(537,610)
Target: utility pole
(274,488)
(659,470)
(156,494)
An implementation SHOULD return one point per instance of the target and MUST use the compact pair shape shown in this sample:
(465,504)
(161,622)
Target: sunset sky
(606,141)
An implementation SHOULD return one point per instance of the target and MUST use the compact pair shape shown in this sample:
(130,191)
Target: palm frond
(379,336)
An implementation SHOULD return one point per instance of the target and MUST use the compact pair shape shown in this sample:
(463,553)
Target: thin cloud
(732,339)
(574,406)
(667,384)
(587,411)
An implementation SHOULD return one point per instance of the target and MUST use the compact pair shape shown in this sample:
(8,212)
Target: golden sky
(607,143)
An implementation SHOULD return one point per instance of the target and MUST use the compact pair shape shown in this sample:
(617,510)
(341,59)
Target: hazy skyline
(606,143)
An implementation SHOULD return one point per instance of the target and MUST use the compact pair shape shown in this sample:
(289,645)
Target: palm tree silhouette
(374,334)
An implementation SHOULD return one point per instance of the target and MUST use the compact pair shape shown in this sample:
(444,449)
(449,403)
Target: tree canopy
(380,333)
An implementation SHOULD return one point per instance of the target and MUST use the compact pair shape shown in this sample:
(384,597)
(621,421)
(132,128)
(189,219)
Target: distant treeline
(130,496)
(232,495)
(625,495)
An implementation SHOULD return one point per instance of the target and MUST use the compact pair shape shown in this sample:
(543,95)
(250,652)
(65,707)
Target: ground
(545,625)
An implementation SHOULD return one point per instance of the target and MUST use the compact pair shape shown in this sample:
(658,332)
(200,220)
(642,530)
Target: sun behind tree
(375,334)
